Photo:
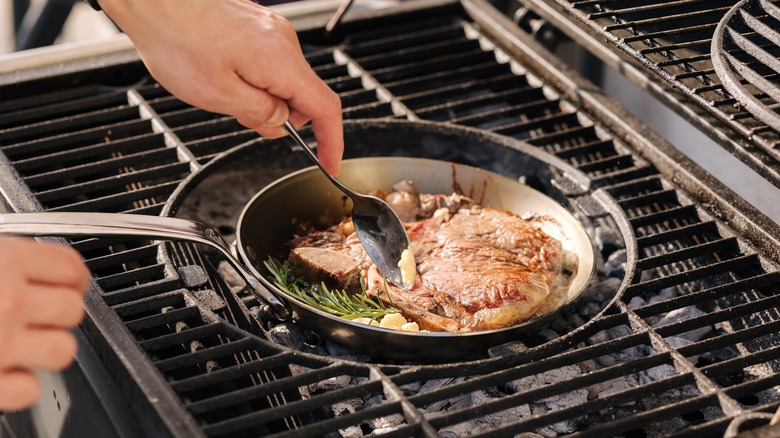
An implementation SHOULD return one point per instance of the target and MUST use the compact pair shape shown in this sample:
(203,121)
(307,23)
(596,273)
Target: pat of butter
(408,267)
(410,327)
(392,321)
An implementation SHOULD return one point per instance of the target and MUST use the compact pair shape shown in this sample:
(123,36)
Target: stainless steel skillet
(266,223)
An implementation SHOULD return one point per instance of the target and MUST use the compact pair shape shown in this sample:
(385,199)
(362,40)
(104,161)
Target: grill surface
(665,46)
(745,48)
(193,360)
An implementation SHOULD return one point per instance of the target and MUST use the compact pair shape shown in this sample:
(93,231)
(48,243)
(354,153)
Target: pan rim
(580,186)
(587,276)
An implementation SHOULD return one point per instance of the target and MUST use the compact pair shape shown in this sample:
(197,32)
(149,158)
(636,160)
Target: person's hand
(234,57)
(41,291)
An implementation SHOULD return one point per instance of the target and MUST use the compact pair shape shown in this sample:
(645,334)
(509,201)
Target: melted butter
(408,267)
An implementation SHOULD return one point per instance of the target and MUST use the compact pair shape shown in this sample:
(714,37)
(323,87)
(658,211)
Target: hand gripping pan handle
(133,225)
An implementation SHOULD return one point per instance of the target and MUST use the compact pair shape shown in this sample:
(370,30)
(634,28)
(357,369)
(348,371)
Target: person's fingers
(326,123)
(323,106)
(298,119)
(330,143)
(257,109)
(45,263)
(18,389)
(261,111)
(43,349)
(39,305)
(305,93)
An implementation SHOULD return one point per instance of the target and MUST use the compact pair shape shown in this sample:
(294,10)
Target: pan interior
(269,219)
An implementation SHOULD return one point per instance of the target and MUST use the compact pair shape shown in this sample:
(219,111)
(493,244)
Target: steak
(478,268)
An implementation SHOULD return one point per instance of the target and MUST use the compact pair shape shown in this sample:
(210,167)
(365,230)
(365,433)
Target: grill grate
(213,370)
(744,53)
(668,48)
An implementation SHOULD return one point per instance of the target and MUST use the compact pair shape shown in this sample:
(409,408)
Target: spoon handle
(302,143)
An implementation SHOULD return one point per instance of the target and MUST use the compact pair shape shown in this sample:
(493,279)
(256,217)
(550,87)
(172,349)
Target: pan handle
(134,225)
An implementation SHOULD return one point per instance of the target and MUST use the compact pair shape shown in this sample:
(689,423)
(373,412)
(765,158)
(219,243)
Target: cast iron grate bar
(636,423)
(731,339)
(313,430)
(205,354)
(148,209)
(372,110)
(736,264)
(726,244)
(75,102)
(627,425)
(608,164)
(677,233)
(422,83)
(518,371)
(751,387)
(256,392)
(123,202)
(624,175)
(677,19)
(478,119)
(101,134)
(55,127)
(740,363)
(181,337)
(656,217)
(150,287)
(475,105)
(168,317)
(150,306)
(661,198)
(457,89)
(132,277)
(677,46)
(726,314)
(92,152)
(142,163)
(115,258)
(649,9)
(213,145)
(102,185)
(237,371)
(730,288)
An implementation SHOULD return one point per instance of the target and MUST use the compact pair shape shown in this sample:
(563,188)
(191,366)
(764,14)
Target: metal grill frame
(116,298)
(747,138)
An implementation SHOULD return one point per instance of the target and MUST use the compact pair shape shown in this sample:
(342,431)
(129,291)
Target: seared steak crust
(482,268)
(478,268)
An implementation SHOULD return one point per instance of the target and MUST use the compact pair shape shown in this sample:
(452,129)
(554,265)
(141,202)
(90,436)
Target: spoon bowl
(377,225)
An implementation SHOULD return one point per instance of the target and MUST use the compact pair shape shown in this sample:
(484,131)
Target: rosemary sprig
(336,302)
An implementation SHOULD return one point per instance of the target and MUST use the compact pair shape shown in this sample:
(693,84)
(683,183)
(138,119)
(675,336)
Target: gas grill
(677,335)
(711,62)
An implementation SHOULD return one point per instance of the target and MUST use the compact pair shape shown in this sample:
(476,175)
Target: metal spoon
(377,226)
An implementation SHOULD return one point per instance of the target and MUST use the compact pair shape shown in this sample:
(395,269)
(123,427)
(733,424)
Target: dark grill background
(192,360)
